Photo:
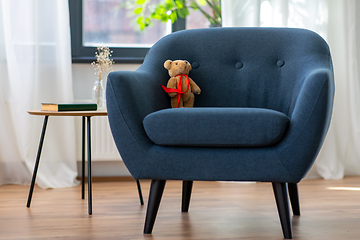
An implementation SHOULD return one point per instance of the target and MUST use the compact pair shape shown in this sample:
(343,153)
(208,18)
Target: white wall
(84,77)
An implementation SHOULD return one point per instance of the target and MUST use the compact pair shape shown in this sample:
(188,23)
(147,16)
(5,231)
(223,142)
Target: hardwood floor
(330,209)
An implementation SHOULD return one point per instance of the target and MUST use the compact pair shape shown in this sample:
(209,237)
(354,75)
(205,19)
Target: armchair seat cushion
(216,127)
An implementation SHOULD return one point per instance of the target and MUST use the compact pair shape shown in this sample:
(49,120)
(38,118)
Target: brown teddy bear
(180,87)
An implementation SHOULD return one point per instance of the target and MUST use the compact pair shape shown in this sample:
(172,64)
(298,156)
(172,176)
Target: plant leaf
(202,2)
(179,4)
(164,18)
(193,6)
(173,16)
(140,2)
(139,20)
(138,10)
(183,12)
(169,4)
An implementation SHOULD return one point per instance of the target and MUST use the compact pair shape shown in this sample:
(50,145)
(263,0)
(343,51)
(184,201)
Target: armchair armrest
(130,97)
(309,121)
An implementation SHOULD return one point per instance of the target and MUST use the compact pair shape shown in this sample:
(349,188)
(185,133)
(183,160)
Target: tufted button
(280,63)
(195,65)
(239,65)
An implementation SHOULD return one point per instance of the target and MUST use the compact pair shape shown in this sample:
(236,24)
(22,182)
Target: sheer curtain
(35,64)
(336,22)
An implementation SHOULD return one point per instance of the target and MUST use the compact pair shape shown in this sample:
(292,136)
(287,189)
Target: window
(112,23)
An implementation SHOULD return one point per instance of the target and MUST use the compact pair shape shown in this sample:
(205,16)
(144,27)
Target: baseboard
(105,169)
(109,179)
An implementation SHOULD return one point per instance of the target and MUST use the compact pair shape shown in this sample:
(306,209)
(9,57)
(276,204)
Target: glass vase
(98,95)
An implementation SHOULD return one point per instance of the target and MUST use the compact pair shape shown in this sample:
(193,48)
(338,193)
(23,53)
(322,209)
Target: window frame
(84,54)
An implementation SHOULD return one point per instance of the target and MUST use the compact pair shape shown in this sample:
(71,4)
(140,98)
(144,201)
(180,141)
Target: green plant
(172,9)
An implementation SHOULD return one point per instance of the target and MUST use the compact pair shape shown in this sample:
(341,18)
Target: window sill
(117,60)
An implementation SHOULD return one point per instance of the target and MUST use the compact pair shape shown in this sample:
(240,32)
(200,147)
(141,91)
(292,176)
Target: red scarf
(178,90)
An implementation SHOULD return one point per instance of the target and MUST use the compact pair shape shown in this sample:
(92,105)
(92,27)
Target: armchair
(263,113)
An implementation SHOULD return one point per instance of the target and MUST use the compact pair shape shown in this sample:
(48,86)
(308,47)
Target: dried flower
(103,63)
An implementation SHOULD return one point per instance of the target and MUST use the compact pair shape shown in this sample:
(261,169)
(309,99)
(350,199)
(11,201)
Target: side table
(83,114)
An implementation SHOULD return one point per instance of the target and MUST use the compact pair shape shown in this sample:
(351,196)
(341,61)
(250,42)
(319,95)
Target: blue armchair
(263,113)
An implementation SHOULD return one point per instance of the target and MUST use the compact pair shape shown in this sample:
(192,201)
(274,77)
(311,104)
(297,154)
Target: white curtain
(337,23)
(35,65)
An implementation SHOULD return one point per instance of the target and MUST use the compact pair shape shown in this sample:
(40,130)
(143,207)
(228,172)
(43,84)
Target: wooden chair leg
(282,202)
(140,192)
(294,198)
(186,195)
(156,191)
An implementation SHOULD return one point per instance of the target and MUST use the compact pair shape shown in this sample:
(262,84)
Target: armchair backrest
(244,67)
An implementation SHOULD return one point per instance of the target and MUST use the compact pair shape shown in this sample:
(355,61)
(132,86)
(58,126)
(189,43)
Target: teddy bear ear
(189,65)
(167,64)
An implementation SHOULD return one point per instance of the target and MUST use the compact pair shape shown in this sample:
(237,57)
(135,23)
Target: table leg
(37,161)
(89,164)
(83,160)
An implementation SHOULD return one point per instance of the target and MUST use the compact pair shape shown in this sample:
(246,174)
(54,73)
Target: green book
(69,107)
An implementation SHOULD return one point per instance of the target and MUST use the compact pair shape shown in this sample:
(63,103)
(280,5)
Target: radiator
(102,143)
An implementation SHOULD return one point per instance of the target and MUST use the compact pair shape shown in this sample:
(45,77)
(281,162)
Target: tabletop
(69,113)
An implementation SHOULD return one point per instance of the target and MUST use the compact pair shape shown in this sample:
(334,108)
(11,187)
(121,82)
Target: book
(69,107)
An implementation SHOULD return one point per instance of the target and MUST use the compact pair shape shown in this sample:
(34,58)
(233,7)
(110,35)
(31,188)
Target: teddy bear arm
(194,88)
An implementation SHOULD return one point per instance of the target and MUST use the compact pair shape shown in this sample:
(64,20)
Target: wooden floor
(330,210)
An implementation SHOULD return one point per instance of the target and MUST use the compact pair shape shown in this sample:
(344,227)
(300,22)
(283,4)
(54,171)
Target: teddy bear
(180,87)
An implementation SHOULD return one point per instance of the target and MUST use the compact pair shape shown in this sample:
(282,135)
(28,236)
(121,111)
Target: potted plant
(172,9)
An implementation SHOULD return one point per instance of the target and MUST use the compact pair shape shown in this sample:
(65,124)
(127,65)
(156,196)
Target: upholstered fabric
(216,127)
(281,69)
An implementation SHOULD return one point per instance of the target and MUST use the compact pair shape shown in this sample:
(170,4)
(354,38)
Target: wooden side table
(83,114)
